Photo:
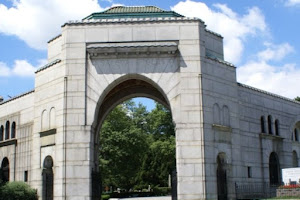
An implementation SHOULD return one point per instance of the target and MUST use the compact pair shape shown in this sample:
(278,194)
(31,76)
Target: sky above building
(260,37)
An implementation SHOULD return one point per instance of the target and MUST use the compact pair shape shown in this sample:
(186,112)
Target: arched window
(262,124)
(7,128)
(276,127)
(226,117)
(270,124)
(1,133)
(47,178)
(221,176)
(13,130)
(274,169)
(5,170)
(52,118)
(295,159)
(216,113)
(44,121)
(296,135)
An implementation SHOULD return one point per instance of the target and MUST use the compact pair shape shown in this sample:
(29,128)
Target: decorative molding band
(9,142)
(214,33)
(220,61)
(52,39)
(48,65)
(135,48)
(268,93)
(16,97)
(132,20)
(48,132)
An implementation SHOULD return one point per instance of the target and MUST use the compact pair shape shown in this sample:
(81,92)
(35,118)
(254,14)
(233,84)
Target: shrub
(162,191)
(17,191)
(105,196)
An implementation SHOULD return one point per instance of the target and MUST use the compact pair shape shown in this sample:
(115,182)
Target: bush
(105,196)
(17,191)
(162,191)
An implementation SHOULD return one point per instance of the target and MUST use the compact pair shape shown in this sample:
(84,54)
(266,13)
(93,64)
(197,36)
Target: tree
(297,98)
(122,149)
(159,162)
(137,147)
(160,122)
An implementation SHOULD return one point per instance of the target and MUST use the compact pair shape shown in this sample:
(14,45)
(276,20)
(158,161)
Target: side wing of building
(16,132)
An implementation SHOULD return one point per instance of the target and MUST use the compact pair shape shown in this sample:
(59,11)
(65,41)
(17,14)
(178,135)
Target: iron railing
(255,190)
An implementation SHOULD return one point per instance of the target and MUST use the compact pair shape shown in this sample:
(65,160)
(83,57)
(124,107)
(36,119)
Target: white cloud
(36,21)
(275,52)
(280,79)
(233,27)
(4,70)
(21,68)
(292,3)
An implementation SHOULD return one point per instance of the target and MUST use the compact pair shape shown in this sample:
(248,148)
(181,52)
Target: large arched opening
(5,170)
(274,169)
(121,91)
(295,159)
(222,177)
(47,174)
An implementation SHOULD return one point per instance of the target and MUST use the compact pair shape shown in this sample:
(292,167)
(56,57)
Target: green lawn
(290,198)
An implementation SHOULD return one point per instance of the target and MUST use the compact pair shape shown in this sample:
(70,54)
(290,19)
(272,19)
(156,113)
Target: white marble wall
(212,113)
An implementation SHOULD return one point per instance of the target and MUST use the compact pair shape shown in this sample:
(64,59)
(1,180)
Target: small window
(7,128)
(1,133)
(26,176)
(276,127)
(270,124)
(296,135)
(249,172)
(13,130)
(262,124)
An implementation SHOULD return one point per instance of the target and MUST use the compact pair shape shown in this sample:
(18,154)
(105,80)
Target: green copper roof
(132,12)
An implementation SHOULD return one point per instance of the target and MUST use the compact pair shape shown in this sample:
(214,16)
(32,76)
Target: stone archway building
(124,52)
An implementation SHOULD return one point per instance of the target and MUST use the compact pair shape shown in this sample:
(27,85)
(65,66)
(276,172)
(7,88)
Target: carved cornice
(48,65)
(267,93)
(133,48)
(17,97)
(132,20)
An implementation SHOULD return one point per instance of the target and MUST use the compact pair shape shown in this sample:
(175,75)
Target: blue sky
(260,37)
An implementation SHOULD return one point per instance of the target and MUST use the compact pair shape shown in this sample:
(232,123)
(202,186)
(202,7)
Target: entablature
(132,48)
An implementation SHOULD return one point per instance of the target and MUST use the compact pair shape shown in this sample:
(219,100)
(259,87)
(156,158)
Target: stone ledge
(271,137)
(222,128)
(8,142)
(48,132)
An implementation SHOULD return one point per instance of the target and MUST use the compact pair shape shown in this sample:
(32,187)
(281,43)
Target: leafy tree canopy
(137,147)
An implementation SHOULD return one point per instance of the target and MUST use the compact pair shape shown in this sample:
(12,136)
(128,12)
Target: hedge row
(17,191)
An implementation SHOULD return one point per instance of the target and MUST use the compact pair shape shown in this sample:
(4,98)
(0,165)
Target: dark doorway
(48,179)
(221,177)
(295,159)
(274,169)
(5,170)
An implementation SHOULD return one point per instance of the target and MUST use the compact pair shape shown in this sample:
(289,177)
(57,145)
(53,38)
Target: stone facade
(225,131)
